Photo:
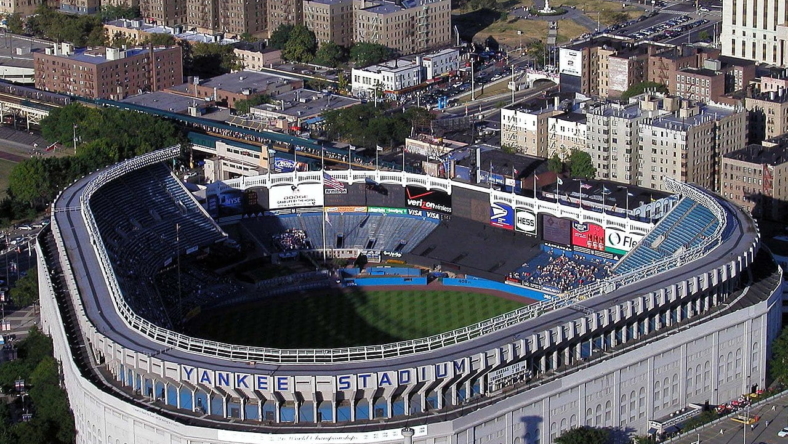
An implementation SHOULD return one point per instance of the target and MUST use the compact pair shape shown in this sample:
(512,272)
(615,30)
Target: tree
(210,59)
(25,293)
(537,51)
(243,106)
(120,40)
(301,45)
(640,88)
(330,54)
(248,38)
(704,36)
(280,36)
(555,164)
(584,435)
(580,165)
(114,12)
(483,4)
(15,23)
(778,364)
(364,54)
(159,39)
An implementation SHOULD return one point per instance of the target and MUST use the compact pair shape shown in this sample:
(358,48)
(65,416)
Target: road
(734,433)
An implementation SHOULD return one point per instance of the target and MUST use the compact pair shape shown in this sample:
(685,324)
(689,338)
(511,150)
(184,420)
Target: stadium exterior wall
(596,388)
(604,391)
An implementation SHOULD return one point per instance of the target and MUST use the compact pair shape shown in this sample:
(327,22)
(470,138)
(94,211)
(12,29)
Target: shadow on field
(471,23)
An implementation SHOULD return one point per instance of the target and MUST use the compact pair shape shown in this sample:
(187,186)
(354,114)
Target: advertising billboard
(288,196)
(428,200)
(556,230)
(212,205)
(525,221)
(570,62)
(502,216)
(620,242)
(587,235)
(282,165)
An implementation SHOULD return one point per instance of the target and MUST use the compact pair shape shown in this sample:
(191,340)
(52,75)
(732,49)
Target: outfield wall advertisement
(304,195)
(620,242)
(427,200)
(525,221)
(502,216)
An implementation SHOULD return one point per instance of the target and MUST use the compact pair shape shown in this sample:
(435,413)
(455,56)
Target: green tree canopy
(483,4)
(301,45)
(159,39)
(778,365)
(280,36)
(243,106)
(555,164)
(614,17)
(25,293)
(114,12)
(584,435)
(15,23)
(368,126)
(364,54)
(581,165)
(79,30)
(640,88)
(330,54)
(249,38)
(209,59)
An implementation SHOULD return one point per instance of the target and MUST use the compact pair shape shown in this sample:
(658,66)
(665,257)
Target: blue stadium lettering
(364,377)
(459,366)
(240,380)
(223,379)
(441,370)
(281,383)
(423,375)
(262,382)
(404,377)
(205,378)
(344,383)
(384,380)
(188,372)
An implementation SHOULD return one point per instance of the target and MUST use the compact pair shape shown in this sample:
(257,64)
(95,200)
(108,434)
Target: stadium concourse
(686,314)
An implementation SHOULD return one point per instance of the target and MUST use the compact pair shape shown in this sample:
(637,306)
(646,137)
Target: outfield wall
(380,281)
(483,284)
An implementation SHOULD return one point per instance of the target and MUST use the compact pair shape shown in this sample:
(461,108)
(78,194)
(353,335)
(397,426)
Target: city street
(776,412)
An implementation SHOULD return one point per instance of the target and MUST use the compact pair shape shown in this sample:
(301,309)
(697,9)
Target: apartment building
(611,137)
(165,12)
(330,20)
(768,114)
(441,62)
(255,58)
(228,89)
(687,144)
(284,12)
(756,178)
(566,132)
(525,127)
(107,73)
(755,30)
(583,67)
(23,7)
(80,6)
(407,26)
(389,77)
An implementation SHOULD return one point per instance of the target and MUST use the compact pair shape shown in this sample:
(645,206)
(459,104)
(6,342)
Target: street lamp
(75,138)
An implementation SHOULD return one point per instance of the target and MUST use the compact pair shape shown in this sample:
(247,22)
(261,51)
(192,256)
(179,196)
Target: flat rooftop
(165,101)
(306,102)
(97,56)
(572,117)
(762,155)
(237,82)
(17,52)
(706,114)
(392,66)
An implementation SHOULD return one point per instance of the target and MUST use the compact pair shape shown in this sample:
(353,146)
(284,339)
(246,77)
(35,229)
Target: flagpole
(534,186)
(581,195)
(627,190)
(323,181)
(377,151)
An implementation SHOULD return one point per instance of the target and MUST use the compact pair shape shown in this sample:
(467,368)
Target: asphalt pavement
(729,432)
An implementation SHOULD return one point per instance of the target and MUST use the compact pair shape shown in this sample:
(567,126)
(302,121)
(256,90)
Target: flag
(560,182)
(327,220)
(605,190)
(332,182)
(379,148)
(352,148)
(585,186)
(51,147)
(630,194)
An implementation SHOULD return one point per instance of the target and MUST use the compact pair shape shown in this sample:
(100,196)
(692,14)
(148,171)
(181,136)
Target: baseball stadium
(387,307)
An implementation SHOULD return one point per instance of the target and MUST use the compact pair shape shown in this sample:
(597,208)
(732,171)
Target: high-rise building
(407,26)
(165,12)
(768,114)
(330,20)
(284,12)
(23,7)
(107,73)
(525,128)
(755,30)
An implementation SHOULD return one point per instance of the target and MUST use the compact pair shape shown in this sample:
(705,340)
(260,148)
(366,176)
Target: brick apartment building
(228,89)
(107,73)
(756,178)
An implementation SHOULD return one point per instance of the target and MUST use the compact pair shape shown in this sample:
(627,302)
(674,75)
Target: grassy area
(489,91)
(5,170)
(334,318)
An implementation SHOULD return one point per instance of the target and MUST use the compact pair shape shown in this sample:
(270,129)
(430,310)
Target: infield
(349,317)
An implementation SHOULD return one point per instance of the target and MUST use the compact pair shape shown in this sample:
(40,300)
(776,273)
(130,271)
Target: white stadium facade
(689,323)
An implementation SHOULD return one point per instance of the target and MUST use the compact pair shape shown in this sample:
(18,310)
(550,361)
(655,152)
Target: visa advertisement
(502,216)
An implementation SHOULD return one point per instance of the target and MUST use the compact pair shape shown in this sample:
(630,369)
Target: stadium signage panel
(587,235)
(504,376)
(303,195)
(619,242)
(346,209)
(502,215)
(270,384)
(428,200)
(525,221)
(387,210)
(429,214)
(319,438)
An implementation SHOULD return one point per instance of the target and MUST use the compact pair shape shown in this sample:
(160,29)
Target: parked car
(783,433)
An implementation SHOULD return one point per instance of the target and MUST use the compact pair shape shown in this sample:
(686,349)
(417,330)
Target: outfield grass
(334,318)
(5,170)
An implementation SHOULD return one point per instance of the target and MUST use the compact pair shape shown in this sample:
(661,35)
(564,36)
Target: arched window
(622,407)
(707,376)
(553,430)
(665,392)
(729,372)
(642,402)
(589,417)
(721,369)
(738,363)
(674,390)
(632,406)
(689,381)
(698,381)
(563,425)
(598,421)
(608,414)
(755,355)
(657,392)
(573,421)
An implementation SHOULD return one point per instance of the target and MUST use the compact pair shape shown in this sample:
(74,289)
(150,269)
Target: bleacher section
(556,271)
(387,232)
(144,217)
(687,224)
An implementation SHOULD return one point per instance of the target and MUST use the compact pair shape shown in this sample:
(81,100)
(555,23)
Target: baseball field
(349,317)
